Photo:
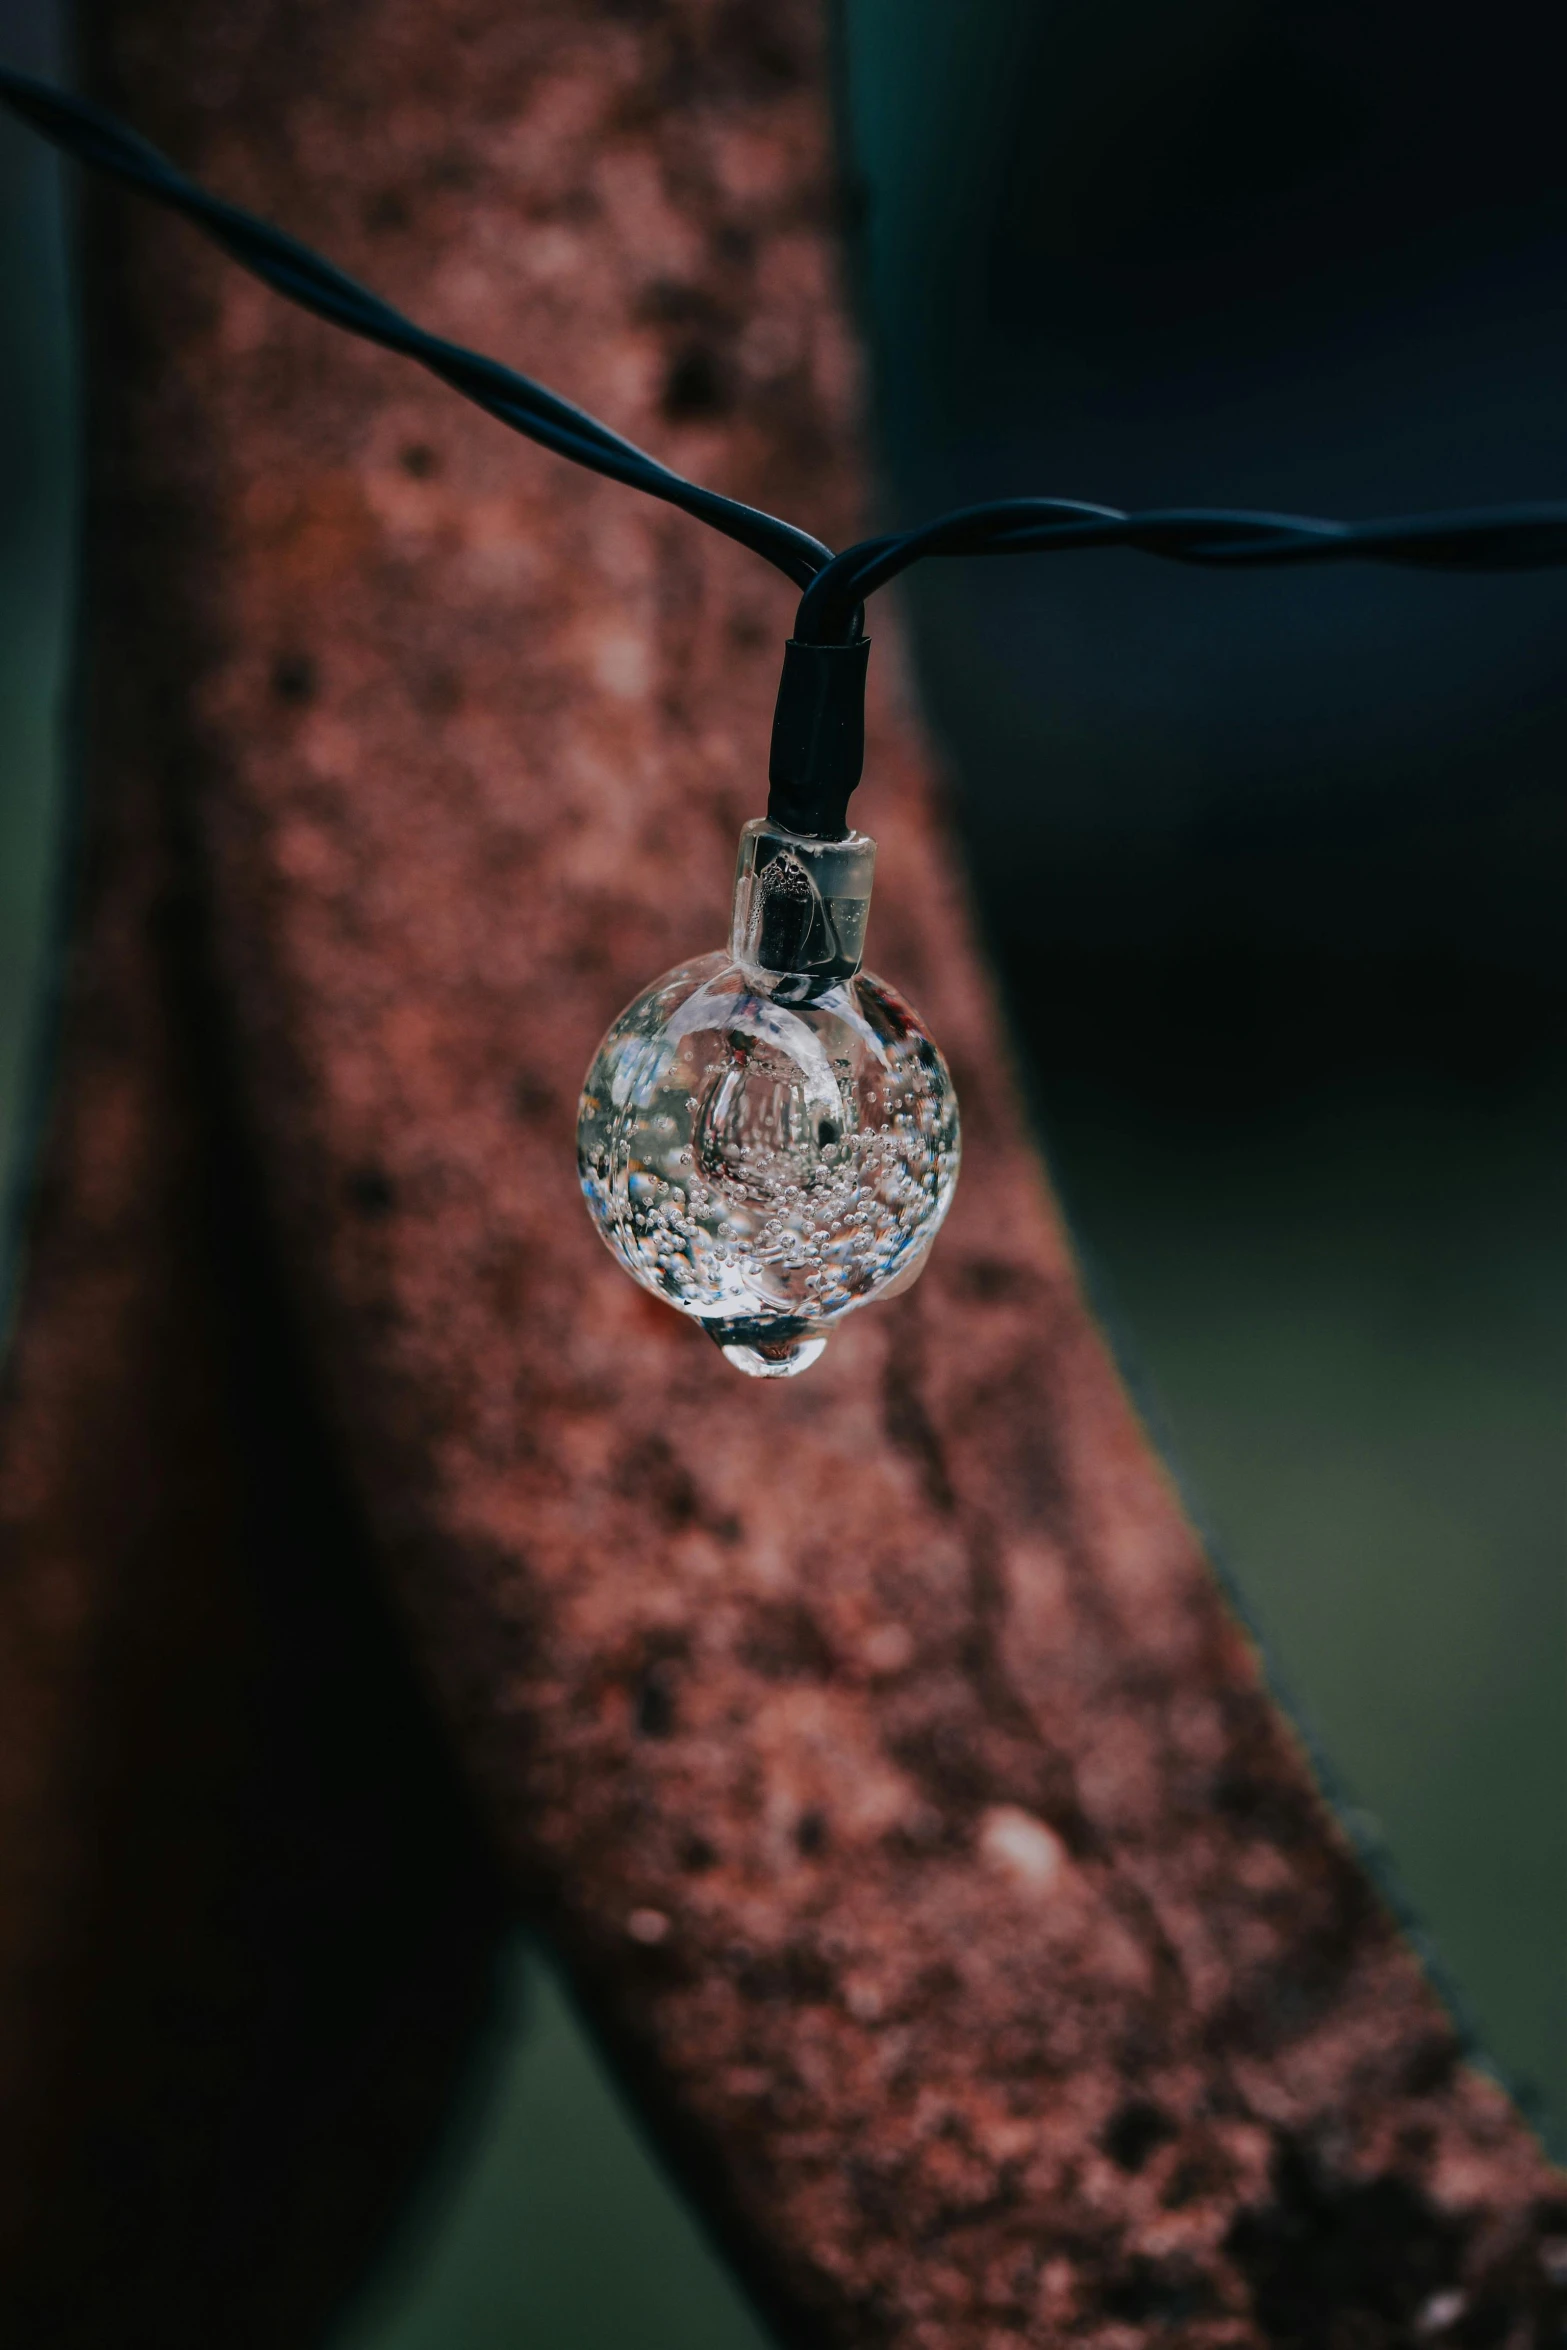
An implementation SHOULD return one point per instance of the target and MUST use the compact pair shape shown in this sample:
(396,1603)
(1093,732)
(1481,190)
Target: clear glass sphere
(768,1165)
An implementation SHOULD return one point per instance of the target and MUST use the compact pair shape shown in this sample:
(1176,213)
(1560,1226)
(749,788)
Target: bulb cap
(800,908)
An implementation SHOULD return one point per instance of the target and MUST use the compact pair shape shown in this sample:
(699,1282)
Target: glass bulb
(768,1139)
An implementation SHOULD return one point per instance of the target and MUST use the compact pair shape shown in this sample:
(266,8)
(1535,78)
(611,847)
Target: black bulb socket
(818,751)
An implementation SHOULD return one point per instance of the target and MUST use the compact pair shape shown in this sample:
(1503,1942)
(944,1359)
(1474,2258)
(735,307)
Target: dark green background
(1272,867)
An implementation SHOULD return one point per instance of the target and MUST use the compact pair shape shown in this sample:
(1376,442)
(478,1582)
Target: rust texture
(905,1800)
(246,1931)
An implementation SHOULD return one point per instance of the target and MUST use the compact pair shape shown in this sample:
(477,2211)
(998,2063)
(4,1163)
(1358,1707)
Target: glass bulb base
(779,1352)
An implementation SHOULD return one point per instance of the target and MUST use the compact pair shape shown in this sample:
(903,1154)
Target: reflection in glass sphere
(767,1165)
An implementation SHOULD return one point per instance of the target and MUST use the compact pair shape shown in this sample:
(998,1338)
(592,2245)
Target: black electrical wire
(90,136)
(818,734)
(1508,538)
(1513,538)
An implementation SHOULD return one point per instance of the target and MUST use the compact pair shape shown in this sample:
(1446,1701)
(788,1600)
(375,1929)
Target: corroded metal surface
(246,1926)
(906,1801)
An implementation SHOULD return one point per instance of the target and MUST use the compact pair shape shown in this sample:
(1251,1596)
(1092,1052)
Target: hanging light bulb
(768,1138)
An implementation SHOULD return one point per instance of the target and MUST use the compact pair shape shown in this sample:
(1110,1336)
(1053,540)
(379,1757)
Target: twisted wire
(92,137)
(1504,538)
(1509,538)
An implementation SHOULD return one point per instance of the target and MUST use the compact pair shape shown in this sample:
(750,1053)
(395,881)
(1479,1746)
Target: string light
(768,1138)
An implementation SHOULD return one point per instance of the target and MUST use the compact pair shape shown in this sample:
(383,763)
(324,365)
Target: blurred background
(1272,868)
